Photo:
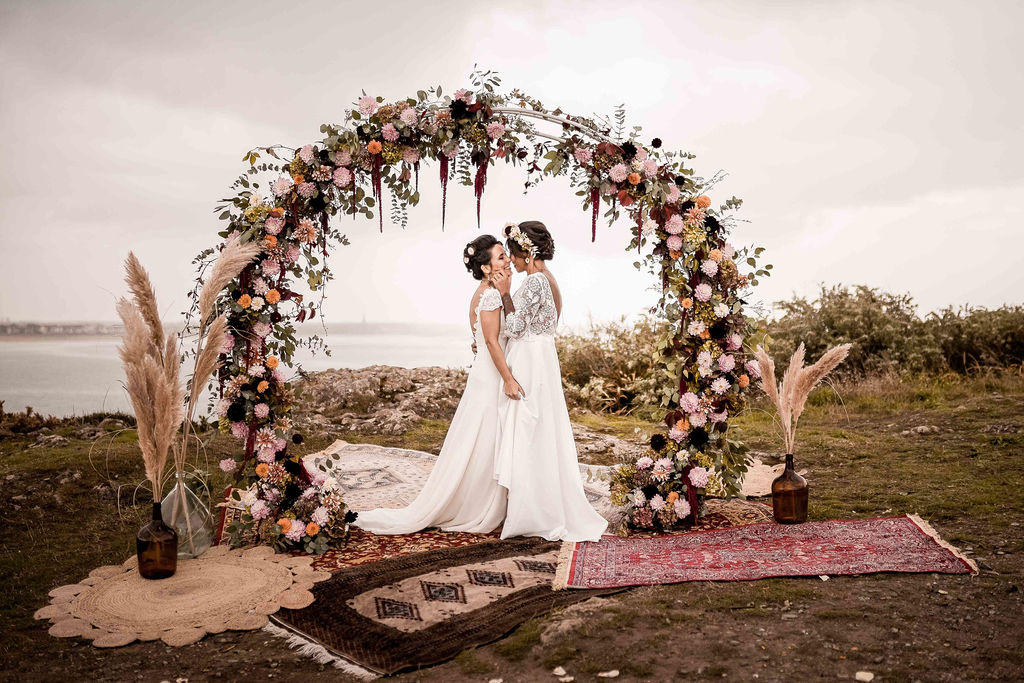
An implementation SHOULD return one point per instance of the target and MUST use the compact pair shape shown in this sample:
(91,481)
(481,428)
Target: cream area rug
(221,590)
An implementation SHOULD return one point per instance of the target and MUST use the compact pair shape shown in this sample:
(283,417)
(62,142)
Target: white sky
(872,142)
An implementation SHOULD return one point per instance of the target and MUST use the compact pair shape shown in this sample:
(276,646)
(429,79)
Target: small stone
(614,673)
(864,676)
(558,671)
(566,679)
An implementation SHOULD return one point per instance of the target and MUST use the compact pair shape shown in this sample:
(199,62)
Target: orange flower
(633,178)
(715,255)
(244,301)
(285,524)
(298,178)
(675,254)
(683,425)
(672,497)
(703,201)
(312,529)
(705,335)
(262,386)
(744,381)
(277,212)
(374,147)
(269,241)
(262,470)
(272,297)
(687,303)
(271,361)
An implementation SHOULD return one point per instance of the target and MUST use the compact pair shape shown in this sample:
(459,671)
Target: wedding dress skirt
(536,458)
(461,493)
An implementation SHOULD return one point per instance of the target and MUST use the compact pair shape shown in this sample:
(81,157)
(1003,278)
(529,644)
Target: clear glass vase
(185,512)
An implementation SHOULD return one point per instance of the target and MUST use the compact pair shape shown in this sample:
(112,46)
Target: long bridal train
(461,493)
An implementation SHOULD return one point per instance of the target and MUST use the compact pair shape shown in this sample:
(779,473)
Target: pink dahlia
(292,254)
(367,105)
(280,443)
(320,516)
(228,465)
(657,502)
(728,251)
(650,168)
(695,216)
(682,508)
(261,410)
(307,190)
(270,267)
(695,328)
(726,362)
(710,268)
(229,344)
(408,116)
(273,225)
(239,430)
(753,369)
(259,510)
(674,225)
(266,455)
(583,154)
(281,186)
(306,153)
(644,462)
(703,291)
(296,531)
(410,155)
(689,402)
(641,154)
(495,130)
(698,419)
(278,374)
(676,434)
(260,287)
(720,417)
(222,407)
(618,173)
(699,477)
(674,243)
(342,157)
(342,176)
(720,385)
(265,438)
(262,329)
(673,194)
(735,342)
(389,132)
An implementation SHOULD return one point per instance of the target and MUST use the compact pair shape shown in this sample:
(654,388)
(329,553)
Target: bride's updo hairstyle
(478,254)
(539,236)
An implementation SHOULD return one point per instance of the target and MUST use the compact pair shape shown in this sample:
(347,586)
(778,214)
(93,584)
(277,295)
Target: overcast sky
(872,142)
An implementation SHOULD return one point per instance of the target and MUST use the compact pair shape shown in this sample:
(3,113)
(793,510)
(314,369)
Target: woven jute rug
(418,610)
(757,551)
(221,590)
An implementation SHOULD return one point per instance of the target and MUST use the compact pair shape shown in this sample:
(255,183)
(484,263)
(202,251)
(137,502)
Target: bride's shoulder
(490,299)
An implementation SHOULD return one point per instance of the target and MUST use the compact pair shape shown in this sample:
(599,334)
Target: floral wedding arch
(701,362)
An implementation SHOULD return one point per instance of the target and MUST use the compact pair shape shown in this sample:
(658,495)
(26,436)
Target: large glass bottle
(789,495)
(157,548)
(185,512)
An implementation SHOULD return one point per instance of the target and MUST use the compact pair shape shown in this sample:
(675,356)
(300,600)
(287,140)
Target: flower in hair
(469,250)
(465,259)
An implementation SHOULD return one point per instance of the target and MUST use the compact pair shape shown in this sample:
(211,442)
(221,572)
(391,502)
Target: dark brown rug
(418,610)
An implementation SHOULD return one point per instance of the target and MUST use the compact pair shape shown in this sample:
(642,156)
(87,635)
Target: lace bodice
(488,301)
(535,312)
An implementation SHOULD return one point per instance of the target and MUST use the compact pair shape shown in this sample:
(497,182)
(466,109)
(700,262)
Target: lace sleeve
(528,302)
(489,300)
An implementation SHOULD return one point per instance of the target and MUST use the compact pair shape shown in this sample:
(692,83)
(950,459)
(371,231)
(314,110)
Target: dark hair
(481,256)
(539,235)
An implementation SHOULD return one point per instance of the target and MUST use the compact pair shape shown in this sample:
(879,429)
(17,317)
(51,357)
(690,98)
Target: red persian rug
(758,551)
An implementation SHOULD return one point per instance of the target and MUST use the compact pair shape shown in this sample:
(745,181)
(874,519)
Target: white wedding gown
(536,457)
(461,493)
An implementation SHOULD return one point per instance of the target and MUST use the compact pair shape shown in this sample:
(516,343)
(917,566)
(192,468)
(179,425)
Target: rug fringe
(319,653)
(561,580)
(930,530)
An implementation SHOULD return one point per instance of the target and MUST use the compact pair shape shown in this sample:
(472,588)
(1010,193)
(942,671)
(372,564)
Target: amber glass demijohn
(789,495)
(157,548)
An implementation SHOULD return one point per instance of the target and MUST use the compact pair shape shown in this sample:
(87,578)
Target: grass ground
(60,508)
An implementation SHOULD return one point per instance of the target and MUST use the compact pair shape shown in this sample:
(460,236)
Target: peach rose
(703,201)
(633,178)
(715,255)
(244,301)
(269,241)
(744,381)
(271,361)
(687,303)
(277,212)
(374,147)
(312,529)
(285,524)
(272,297)
(262,470)
(262,386)
(672,497)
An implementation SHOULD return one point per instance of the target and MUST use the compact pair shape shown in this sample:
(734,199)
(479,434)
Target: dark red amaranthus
(595,204)
(444,184)
(478,186)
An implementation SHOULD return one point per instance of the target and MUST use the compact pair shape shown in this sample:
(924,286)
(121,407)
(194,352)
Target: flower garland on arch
(702,358)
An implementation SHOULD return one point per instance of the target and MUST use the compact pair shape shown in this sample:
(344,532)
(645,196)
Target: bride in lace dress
(536,456)
(461,493)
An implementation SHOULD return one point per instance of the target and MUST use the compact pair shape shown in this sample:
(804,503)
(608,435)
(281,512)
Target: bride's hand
(501,282)
(513,390)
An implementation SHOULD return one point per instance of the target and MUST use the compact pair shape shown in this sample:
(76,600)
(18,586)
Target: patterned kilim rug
(418,610)
(757,551)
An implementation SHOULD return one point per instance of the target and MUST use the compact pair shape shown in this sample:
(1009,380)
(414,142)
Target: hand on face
(502,281)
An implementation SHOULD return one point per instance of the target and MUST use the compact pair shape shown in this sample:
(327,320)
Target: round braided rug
(221,590)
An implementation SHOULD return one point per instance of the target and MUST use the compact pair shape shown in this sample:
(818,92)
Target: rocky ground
(949,450)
